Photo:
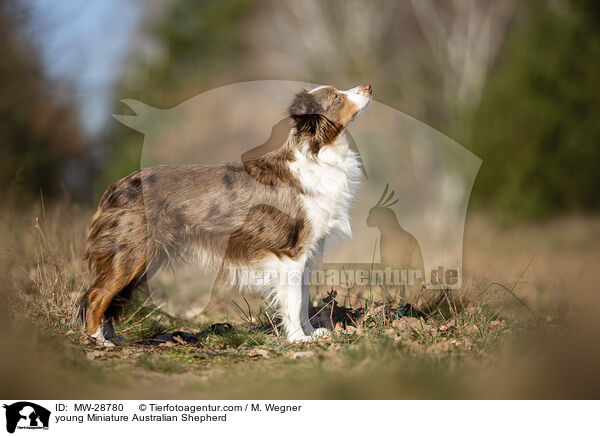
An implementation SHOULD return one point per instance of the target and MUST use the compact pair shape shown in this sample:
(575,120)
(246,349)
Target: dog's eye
(335,97)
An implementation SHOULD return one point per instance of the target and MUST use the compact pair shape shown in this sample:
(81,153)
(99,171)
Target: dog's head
(321,114)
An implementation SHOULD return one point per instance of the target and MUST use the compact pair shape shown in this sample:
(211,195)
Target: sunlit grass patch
(240,338)
(164,364)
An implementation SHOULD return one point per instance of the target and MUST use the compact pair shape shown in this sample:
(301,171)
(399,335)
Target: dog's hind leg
(108,331)
(118,304)
(98,300)
(122,276)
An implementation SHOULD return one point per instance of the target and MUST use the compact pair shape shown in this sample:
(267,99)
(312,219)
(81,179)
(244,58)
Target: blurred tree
(39,134)
(425,57)
(537,128)
(187,47)
(465,37)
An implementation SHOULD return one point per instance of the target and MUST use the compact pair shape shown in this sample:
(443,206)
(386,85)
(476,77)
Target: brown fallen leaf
(497,324)
(406,325)
(179,340)
(167,344)
(351,329)
(257,352)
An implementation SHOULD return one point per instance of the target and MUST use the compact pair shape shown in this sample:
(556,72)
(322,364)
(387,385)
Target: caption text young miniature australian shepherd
(300,193)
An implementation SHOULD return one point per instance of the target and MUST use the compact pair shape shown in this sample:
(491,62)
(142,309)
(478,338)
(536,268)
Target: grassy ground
(531,334)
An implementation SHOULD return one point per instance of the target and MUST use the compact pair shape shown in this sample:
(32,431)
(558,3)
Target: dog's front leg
(288,294)
(304,318)
(293,297)
(290,307)
(307,326)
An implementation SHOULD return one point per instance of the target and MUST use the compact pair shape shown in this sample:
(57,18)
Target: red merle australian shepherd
(266,215)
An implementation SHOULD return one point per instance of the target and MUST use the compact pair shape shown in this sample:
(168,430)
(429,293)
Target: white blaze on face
(358,96)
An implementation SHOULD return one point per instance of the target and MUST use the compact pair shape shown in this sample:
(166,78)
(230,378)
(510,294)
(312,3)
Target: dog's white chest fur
(329,181)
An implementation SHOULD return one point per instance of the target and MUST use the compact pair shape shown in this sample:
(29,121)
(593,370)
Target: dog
(265,215)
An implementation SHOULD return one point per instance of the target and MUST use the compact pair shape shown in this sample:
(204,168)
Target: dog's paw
(320,333)
(116,339)
(299,339)
(108,332)
(103,342)
(314,336)
(100,340)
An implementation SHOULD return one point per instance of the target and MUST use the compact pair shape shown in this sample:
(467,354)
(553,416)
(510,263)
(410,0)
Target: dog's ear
(304,104)
(310,122)
(304,111)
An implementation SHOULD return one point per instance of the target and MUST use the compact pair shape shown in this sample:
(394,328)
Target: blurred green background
(513,81)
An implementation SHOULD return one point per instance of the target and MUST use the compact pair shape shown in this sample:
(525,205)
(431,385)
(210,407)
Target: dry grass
(43,267)
(467,343)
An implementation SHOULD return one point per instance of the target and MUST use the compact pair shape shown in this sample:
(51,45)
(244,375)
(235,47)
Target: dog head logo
(26,415)
(428,177)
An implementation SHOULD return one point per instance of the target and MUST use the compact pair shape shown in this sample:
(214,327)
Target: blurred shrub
(39,134)
(537,127)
